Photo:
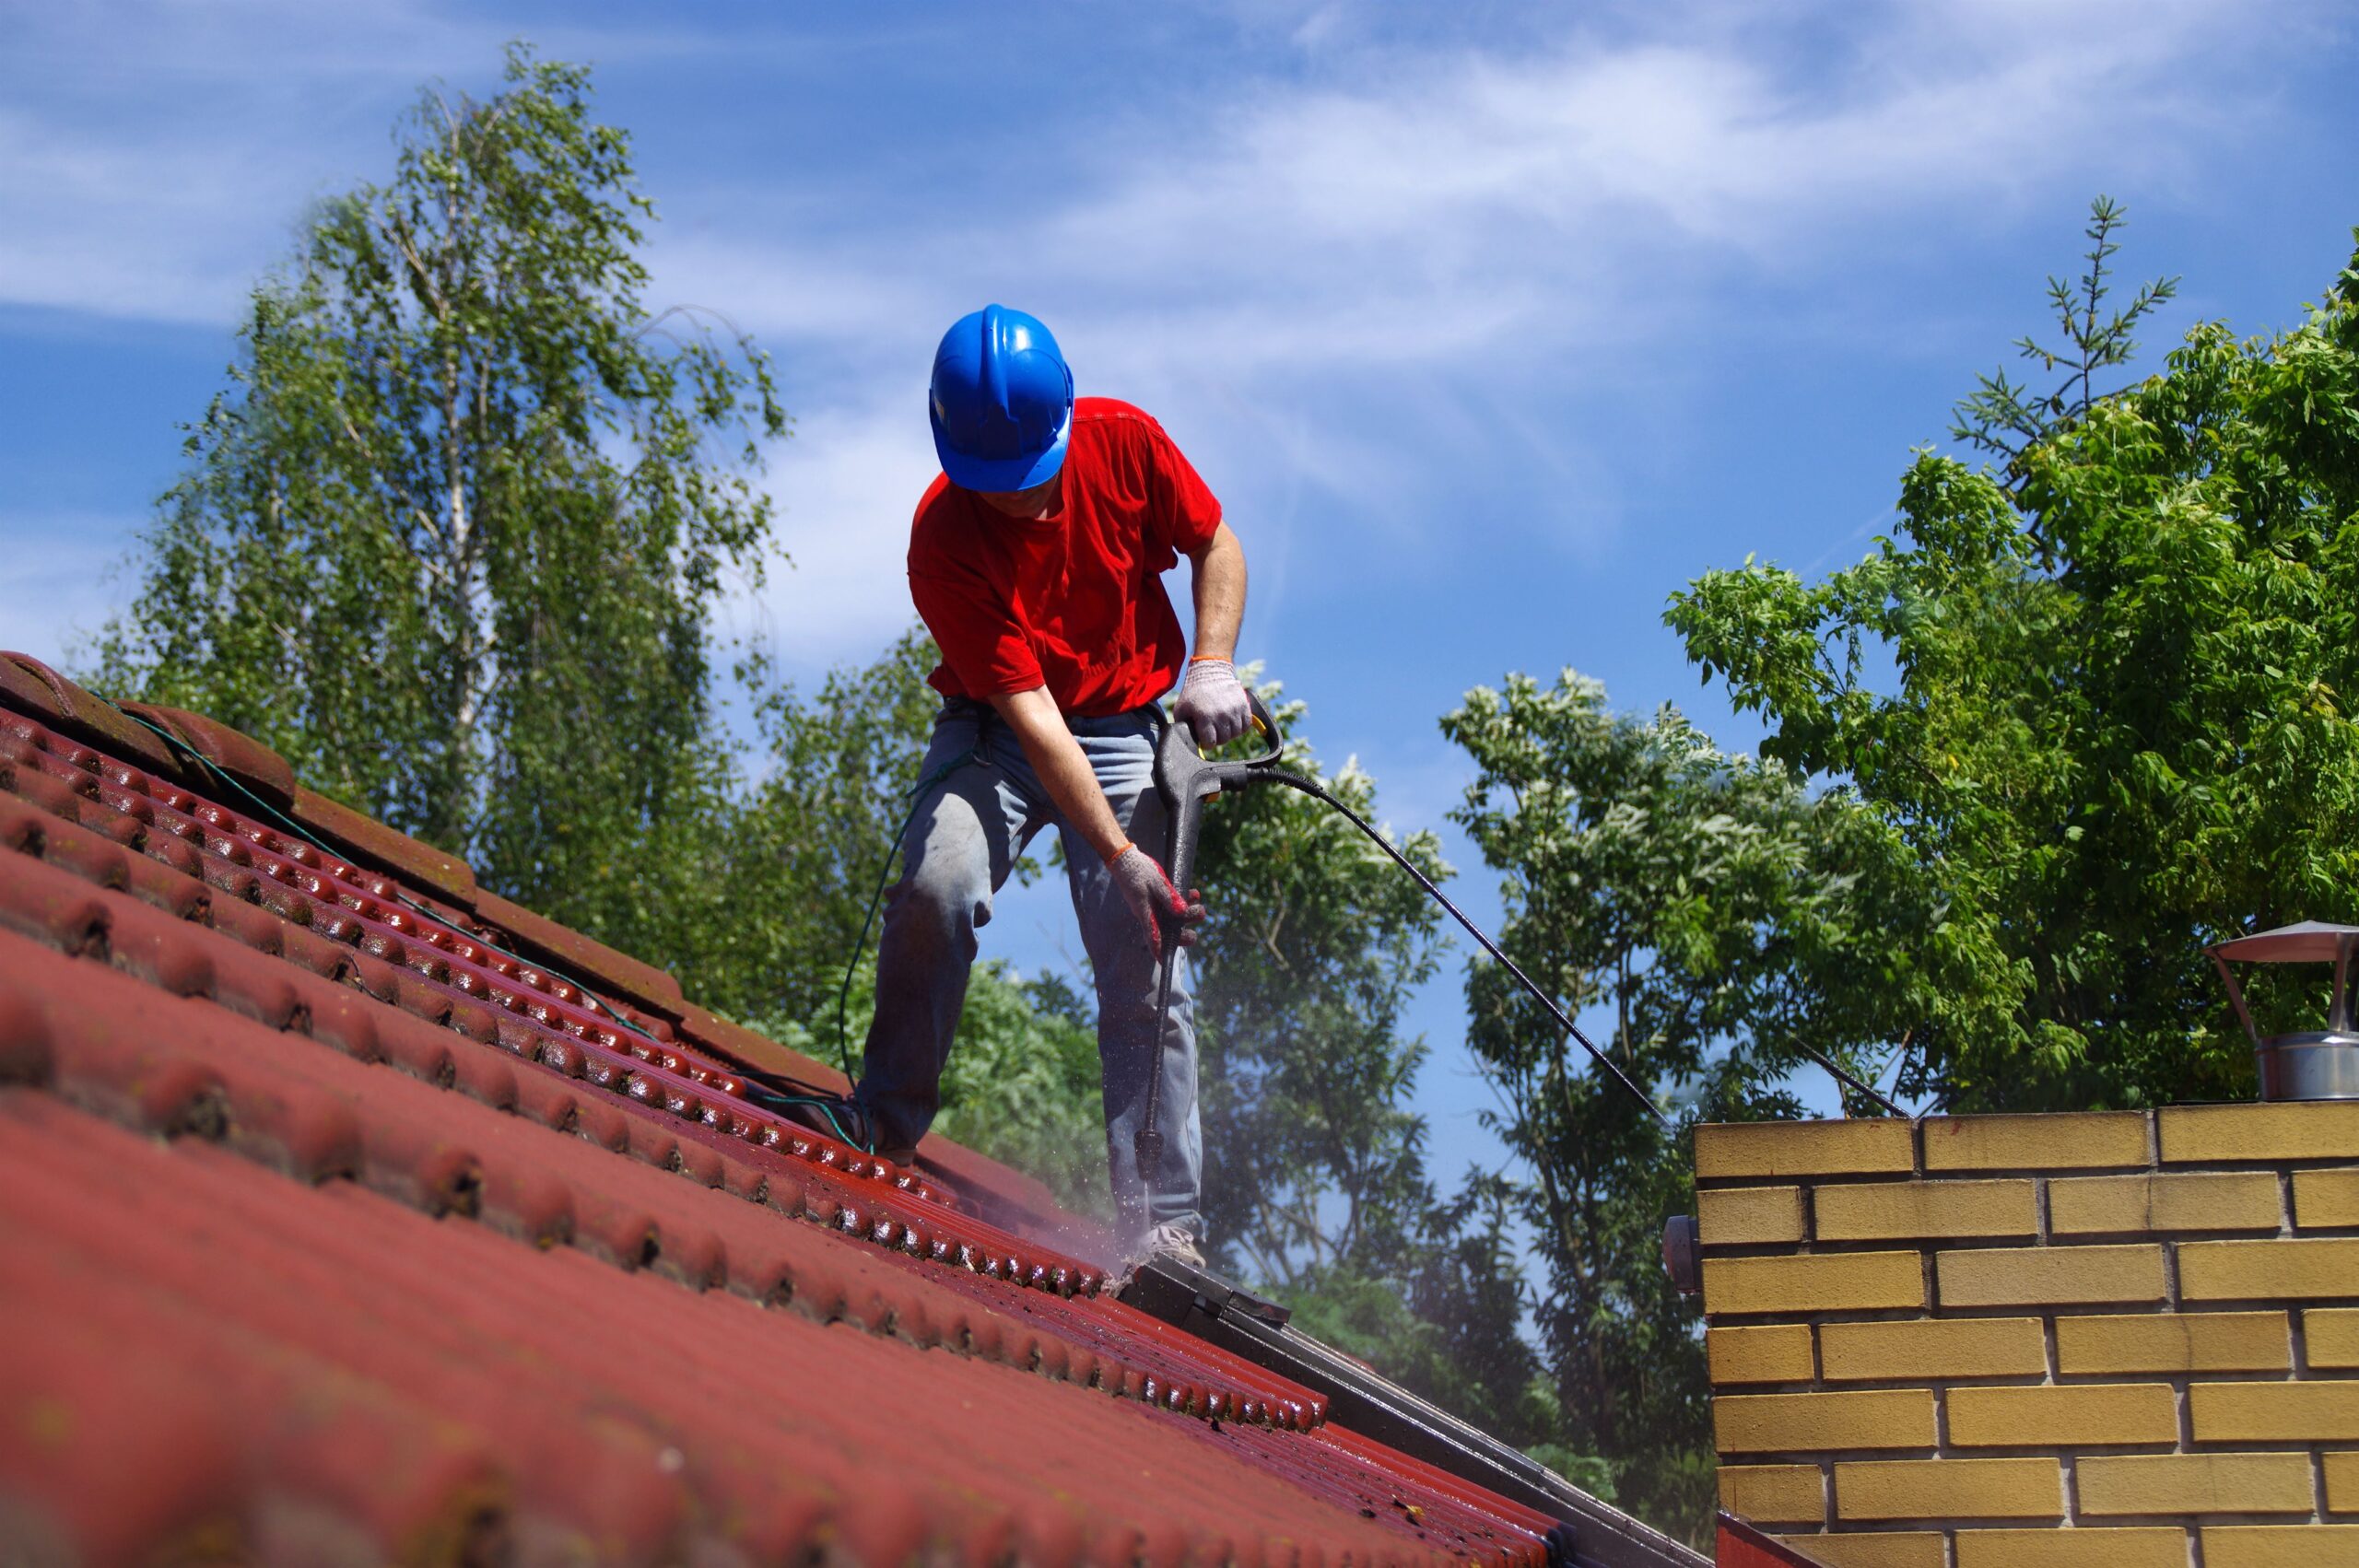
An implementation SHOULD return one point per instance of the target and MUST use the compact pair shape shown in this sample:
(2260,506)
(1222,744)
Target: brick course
(2241,1201)
(1775,1353)
(2116,1339)
(2202,1484)
(2281,1546)
(1903,1211)
(2072,1549)
(1924,1349)
(1949,1489)
(1850,1282)
(1893,1549)
(2326,1200)
(2333,1335)
(1735,1216)
(1774,1494)
(2190,1342)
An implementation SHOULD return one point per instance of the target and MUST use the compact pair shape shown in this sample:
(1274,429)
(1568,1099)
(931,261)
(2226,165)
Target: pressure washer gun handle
(1185,779)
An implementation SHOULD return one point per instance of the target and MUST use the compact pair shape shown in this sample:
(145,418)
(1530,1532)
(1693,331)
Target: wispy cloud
(1418,239)
(157,157)
(1382,226)
(845,486)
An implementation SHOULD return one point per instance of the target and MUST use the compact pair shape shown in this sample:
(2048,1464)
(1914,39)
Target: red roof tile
(1740,1545)
(350,1219)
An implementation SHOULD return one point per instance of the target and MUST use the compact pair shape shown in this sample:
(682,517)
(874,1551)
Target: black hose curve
(1297,781)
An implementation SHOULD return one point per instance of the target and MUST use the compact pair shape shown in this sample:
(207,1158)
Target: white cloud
(1479,201)
(1435,242)
(846,486)
(157,157)
(1402,203)
(1372,237)
(154,157)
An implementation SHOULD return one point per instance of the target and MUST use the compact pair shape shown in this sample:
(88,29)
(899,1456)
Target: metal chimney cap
(2316,1064)
(2307,941)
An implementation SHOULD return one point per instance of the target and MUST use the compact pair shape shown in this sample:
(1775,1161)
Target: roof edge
(389,850)
(581,958)
(33,687)
(251,765)
(1742,1546)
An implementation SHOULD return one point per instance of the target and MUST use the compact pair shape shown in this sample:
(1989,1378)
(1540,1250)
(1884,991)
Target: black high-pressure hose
(1296,781)
(1185,779)
(1309,787)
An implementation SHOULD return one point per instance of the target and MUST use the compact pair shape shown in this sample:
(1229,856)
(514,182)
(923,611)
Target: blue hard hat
(1001,400)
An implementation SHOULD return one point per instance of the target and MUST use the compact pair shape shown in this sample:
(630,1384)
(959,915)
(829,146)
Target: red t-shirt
(1074,600)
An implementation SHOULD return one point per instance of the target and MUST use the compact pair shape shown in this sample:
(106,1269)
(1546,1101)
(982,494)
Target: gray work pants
(968,828)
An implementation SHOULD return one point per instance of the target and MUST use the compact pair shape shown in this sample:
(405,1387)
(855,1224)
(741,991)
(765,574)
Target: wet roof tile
(358,1215)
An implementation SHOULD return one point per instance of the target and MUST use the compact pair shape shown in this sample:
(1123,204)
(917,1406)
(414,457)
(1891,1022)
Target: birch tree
(450,537)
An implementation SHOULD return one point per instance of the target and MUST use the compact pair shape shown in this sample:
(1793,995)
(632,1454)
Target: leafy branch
(2005,417)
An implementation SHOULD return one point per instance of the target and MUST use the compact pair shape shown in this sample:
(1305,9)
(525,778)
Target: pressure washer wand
(1184,780)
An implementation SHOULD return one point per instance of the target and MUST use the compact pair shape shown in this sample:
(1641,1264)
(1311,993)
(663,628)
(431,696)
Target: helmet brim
(1000,475)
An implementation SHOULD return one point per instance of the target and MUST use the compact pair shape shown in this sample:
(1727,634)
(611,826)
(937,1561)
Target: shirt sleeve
(980,639)
(1187,513)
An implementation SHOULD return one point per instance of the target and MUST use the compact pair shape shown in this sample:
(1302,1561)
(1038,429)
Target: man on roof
(1036,561)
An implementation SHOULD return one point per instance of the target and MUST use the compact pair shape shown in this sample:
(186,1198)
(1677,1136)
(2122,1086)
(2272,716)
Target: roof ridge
(190,749)
(428,966)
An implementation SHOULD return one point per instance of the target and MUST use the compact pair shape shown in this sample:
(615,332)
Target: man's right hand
(1153,902)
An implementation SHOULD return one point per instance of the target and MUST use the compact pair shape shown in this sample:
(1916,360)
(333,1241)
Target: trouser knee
(934,913)
(945,893)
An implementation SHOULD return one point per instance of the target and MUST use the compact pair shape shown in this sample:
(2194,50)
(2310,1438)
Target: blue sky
(1492,324)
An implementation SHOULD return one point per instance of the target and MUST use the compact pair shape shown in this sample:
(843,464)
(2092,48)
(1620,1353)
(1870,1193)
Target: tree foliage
(450,539)
(804,840)
(1710,916)
(809,847)
(2004,417)
(2117,724)
(1317,1186)
(1313,1158)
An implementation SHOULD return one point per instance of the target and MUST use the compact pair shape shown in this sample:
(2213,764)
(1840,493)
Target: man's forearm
(1219,580)
(1063,771)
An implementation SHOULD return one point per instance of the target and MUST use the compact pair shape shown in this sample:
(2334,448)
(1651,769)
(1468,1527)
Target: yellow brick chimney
(2118,1340)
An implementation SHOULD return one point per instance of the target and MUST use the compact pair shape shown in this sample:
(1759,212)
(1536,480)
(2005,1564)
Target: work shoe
(831,1117)
(1175,1242)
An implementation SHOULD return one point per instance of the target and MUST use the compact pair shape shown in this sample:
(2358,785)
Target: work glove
(1153,901)
(1212,703)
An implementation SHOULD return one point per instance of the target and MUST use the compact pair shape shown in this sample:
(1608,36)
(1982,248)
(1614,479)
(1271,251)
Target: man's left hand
(1212,703)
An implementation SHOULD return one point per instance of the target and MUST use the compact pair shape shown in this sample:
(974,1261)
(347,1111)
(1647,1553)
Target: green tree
(808,833)
(2116,724)
(1315,943)
(450,539)
(1444,1318)
(1713,918)
(2005,417)
(1315,1182)
(809,849)
(1023,1084)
